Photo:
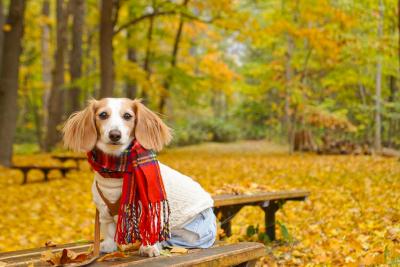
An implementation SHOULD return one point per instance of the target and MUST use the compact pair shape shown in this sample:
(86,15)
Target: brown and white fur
(111,124)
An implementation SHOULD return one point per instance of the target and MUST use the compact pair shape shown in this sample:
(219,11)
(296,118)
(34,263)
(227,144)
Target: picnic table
(270,202)
(44,169)
(64,158)
(239,254)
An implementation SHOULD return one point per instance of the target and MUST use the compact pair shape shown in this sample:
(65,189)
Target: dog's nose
(114,135)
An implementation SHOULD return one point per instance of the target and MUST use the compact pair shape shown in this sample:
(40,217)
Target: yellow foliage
(351,217)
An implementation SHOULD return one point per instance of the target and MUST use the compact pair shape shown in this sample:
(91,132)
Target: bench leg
(46,175)
(227,214)
(77,164)
(25,174)
(63,173)
(270,211)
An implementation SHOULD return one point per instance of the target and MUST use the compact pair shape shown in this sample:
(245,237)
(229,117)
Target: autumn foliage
(351,216)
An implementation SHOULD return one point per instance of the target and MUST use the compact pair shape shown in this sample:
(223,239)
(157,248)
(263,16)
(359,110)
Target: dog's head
(112,123)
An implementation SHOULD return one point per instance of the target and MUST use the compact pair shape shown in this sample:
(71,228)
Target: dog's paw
(149,251)
(108,246)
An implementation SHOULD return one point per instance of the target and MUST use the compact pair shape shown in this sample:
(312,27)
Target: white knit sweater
(185,196)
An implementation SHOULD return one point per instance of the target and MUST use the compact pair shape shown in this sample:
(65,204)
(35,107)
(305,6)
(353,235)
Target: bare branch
(162,13)
(143,17)
(191,17)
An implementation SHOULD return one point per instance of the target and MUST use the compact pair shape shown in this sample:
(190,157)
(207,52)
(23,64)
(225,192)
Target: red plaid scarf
(144,211)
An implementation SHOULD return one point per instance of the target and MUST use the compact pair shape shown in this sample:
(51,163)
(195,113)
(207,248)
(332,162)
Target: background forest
(216,70)
(286,75)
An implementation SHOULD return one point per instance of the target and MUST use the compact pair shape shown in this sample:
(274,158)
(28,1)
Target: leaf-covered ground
(352,215)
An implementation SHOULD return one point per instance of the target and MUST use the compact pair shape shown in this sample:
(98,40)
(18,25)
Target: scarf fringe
(149,227)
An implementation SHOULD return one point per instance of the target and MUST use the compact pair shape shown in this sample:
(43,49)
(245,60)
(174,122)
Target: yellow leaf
(179,250)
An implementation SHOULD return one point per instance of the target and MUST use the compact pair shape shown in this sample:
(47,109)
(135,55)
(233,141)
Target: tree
(56,101)
(9,78)
(108,17)
(147,58)
(45,44)
(2,19)
(378,86)
(131,85)
(174,58)
(75,63)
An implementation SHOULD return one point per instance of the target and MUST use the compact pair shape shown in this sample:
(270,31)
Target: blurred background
(247,86)
(319,75)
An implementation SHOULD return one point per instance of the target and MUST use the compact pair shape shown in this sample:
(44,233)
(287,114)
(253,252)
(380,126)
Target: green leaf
(285,233)
(250,231)
(263,237)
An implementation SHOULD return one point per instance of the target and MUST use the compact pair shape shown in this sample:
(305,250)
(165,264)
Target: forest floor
(352,215)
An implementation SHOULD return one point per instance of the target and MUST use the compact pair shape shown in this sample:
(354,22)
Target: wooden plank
(230,199)
(23,257)
(225,255)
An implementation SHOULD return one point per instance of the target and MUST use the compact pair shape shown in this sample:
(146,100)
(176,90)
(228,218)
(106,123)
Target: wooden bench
(64,158)
(240,254)
(270,202)
(45,169)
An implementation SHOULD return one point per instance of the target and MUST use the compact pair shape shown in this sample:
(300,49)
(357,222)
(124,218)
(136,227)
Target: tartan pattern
(144,210)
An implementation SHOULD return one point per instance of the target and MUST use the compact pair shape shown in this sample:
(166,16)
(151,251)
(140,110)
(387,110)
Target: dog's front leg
(108,230)
(150,250)
(107,223)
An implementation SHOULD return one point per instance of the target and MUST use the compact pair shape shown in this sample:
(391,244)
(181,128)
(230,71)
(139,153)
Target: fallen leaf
(165,252)
(179,250)
(65,257)
(2,263)
(112,256)
(130,247)
(49,244)
(50,257)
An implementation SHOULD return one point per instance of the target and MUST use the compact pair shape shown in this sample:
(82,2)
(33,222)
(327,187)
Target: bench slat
(226,255)
(230,199)
(28,255)
(223,255)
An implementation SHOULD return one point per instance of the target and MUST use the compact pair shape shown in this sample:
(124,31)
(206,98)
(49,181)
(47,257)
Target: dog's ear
(79,132)
(150,131)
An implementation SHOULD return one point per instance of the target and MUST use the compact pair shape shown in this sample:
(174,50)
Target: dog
(110,125)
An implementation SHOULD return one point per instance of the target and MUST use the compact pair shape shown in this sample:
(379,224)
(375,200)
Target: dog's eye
(127,116)
(103,115)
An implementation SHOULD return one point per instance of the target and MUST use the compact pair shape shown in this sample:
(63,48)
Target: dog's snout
(114,135)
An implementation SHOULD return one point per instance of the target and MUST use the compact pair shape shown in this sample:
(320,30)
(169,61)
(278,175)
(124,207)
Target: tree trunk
(75,64)
(56,107)
(90,67)
(12,49)
(288,124)
(146,63)
(174,58)
(398,29)
(106,48)
(131,85)
(391,99)
(2,20)
(33,107)
(378,88)
(46,62)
